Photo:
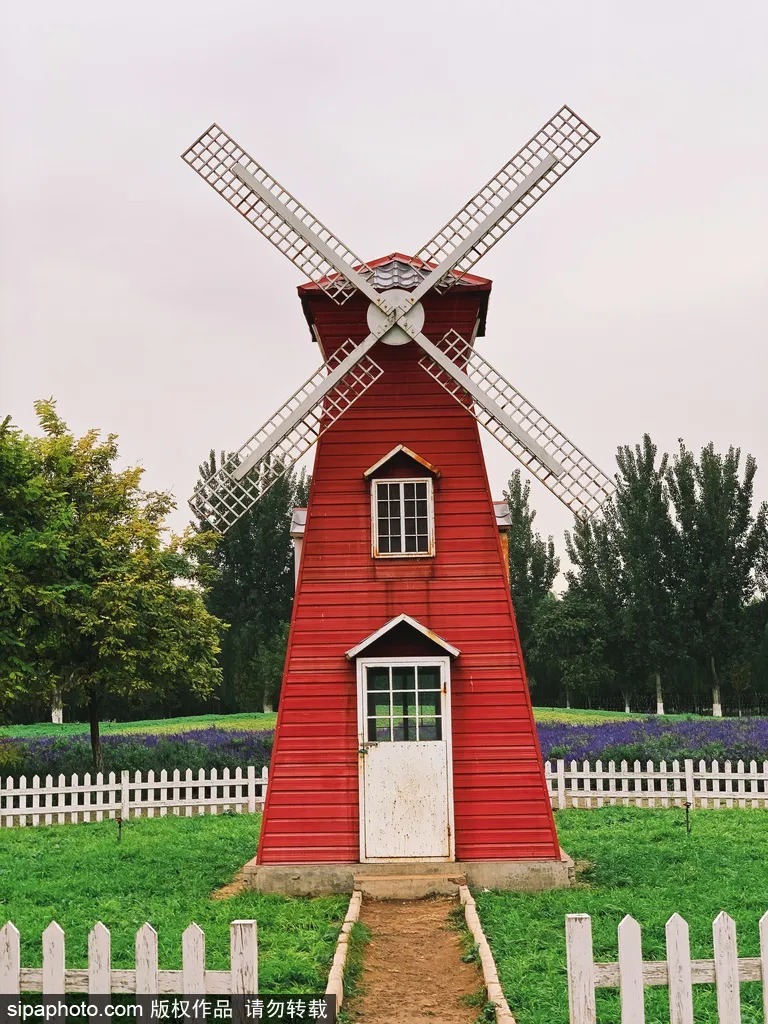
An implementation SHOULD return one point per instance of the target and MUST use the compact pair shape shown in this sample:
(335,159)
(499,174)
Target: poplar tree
(722,542)
(533,564)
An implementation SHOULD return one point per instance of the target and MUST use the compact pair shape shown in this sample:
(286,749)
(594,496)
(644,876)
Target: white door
(405,771)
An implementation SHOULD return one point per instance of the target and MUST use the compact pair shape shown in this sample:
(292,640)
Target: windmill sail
(580,485)
(247,475)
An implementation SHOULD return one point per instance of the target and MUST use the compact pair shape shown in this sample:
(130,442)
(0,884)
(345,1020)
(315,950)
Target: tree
(34,527)
(127,613)
(721,541)
(252,590)
(567,637)
(647,562)
(533,564)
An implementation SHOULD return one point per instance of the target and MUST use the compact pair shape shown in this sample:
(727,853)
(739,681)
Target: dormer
(402,505)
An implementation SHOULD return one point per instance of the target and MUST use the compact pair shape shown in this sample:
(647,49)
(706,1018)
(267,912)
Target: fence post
(264,781)
(726,970)
(10,960)
(125,805)
(146,960)
(99,960)
(581,969)
(690,792)
(679,970)
(561,784)
(631,972)
(244,958)
(53,959)
(763,926)
(251,789)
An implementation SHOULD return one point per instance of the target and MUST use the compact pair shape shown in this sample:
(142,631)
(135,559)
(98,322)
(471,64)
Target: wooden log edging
(335,986)
(490,975)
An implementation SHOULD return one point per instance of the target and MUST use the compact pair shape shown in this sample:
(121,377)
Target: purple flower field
(193,748)
(643,740)
(651,739)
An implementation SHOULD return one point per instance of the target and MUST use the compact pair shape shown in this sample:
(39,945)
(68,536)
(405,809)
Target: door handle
(365,747)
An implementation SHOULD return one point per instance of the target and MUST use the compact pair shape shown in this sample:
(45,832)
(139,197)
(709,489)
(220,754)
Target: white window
(403,702)
(403,518)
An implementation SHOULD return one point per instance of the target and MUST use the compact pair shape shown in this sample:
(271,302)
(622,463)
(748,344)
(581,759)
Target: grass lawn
(256,721)
(164,725)
(641,863)
(163,871)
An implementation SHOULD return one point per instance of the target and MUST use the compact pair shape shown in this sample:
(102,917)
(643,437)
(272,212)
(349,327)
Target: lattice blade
(322,257)
(565,137)
(222,499)
(582,486)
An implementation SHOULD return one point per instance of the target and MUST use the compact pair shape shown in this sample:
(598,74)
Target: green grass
(573,716)
(163,871)
(639,862)
(163,725)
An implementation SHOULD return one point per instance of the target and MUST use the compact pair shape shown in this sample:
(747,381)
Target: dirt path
(412,967)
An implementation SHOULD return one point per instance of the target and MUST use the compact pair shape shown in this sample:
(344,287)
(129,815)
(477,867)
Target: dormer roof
(401,449)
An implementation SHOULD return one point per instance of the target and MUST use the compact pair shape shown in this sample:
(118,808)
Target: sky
(631,299)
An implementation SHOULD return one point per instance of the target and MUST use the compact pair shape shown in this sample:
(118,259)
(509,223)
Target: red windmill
(405,730)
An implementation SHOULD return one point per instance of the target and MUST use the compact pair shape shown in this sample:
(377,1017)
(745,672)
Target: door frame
(445,672)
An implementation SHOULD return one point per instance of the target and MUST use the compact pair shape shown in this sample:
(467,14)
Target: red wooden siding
(501,806)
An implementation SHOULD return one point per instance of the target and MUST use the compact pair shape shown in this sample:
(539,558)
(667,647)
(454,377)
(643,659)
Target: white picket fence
(145,978)
(571,784)
(130,795)
(631,974)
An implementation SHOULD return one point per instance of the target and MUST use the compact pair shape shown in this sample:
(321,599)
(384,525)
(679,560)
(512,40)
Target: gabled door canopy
(356,651)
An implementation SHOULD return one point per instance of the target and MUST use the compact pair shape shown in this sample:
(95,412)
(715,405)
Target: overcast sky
(632,298)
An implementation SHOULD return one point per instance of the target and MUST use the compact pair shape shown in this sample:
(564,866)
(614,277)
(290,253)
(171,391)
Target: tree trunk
(268,707)
(568,697)
(659,695)
(57,707)
(626,704)
(717,708)
(97,753)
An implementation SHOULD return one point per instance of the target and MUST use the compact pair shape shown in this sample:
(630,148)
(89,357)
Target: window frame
(401,481)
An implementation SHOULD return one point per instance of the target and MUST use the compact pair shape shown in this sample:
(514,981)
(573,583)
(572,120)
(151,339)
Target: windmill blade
(580,484)
(506,198)
(268,454)
(278,215)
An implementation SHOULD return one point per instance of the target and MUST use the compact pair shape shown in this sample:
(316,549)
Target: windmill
(405,730)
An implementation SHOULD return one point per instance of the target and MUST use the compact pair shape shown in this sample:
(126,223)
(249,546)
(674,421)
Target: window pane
(404,703)
(378,730)
(429,677)
(410,544)
(430,729)
(395,544)
(403,677)
(421,491)
(404,729)
(429,703)
(377,678)
(378,705)
(422,543)
(382,507)
(409,491)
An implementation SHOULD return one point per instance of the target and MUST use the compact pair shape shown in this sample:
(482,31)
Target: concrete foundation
(410,879)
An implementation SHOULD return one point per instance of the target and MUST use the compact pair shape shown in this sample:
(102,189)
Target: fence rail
(710,785)
(631,974)
(130,795)
(145,978)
